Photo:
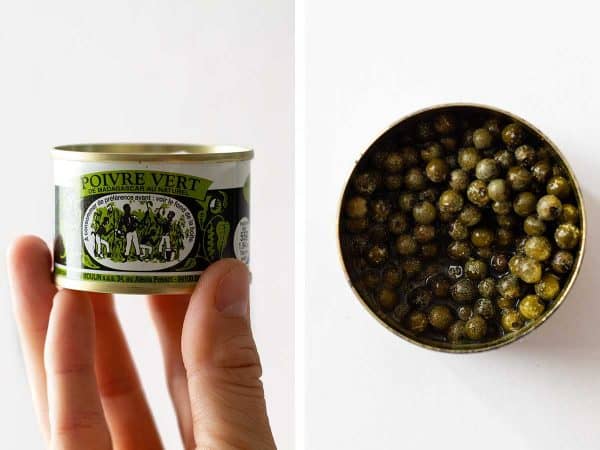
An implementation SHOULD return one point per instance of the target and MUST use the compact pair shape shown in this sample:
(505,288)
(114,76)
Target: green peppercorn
(432,151)
(485,308)
(525,155)
(475,269)
(499,262)
(437,170)
(424,233)
(475,328)
(570,214)
(504,158)
(439,285)
(484,253)
(424,213)
(558,186)
(541,170)
(508,221)
(356,207)
(449,143)
(548,288)
(458,230)
(407,201)
(468,158)
(482,138)
(562,262)
(533,226)
(470,215)
(487,288)
(509,287)
(401,311)
(410,156)
(477,193)
(459,180)
(444,123)
(456,332)
(518,178)
(420,297)
(406,245)
(514,264)
(549,207)
(493,126)
(487,169)
(392,277)
(529,270)
(464,312)
(513,135)
(393,182)
(397,223)
(524,203)
(440,317)
(377,254)
(504,237)
(531,307)
(366,183)
(356,225)
(450,202)
(505,303)
(425,131)
(393,162)
(566,236)
(538,248)
(417,322)
(371,278)
(414,179)
(467,140)
(411,266)
(520,245)
(482,237)
(511,320)
(459,250)
(380,210)
(387,298)
(463,291)
(497,190)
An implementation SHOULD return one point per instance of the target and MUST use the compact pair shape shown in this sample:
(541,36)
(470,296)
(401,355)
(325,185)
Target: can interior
(394,133)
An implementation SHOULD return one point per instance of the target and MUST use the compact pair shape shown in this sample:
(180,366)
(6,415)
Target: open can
(148,218)
(395,133)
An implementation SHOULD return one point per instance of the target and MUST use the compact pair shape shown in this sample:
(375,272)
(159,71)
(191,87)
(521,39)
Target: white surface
(370,63)
(200,72)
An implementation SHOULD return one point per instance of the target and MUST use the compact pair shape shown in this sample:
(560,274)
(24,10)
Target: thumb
(222,364)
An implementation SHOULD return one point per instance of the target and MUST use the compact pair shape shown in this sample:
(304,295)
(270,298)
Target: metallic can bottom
(123,288)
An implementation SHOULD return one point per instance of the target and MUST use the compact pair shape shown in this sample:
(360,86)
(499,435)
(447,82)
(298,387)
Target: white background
(139,70)
(369,64)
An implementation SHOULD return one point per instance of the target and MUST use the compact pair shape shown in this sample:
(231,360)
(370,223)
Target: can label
(147,226)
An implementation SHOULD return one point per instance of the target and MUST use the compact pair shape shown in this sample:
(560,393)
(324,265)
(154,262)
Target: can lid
(151,152)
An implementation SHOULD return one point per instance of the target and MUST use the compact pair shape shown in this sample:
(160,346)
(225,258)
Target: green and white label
(148,225)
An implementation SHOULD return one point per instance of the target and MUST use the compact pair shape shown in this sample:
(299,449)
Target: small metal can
(148,218)
(396,134)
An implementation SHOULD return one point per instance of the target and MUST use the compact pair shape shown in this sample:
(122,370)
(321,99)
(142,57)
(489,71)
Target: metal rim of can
(151,152)
(509,338)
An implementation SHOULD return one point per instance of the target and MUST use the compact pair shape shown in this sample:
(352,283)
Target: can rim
(151,152)
(507,339)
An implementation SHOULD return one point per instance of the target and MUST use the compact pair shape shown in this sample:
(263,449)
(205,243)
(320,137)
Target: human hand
(86,390)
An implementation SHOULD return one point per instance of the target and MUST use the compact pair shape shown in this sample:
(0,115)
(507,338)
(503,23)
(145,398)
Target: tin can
(397,129)
(148,218)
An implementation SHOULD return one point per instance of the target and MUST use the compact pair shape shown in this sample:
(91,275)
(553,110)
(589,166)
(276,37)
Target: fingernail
(233,292)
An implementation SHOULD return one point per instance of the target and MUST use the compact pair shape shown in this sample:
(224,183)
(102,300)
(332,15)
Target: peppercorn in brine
(460,226)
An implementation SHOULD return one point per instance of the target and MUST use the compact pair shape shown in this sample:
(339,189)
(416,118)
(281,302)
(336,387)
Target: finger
(168,312)
(127,412)
(76,417)
(29,263)
(222,363)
